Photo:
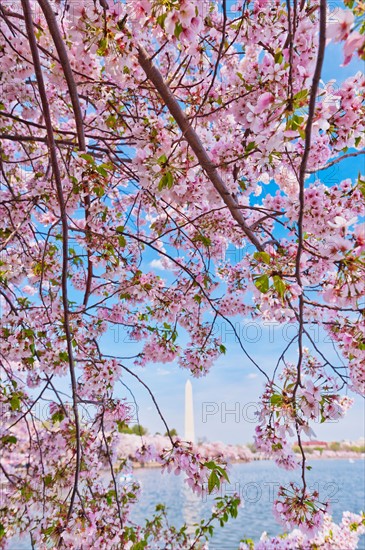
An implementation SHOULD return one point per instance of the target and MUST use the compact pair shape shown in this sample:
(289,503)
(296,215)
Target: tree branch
(63,215)
(154,75)
(65,63)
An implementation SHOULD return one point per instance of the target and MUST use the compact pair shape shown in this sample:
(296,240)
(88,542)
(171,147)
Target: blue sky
(232,385)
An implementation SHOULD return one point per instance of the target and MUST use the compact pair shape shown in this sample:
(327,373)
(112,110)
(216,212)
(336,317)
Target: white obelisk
(189,413)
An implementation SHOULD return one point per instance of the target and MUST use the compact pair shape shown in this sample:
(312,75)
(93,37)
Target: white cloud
(157,264)
(163,372)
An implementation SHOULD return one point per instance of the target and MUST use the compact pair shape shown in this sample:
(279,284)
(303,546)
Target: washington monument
(189,413)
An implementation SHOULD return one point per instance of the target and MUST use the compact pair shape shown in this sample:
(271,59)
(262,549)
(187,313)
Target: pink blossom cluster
(341,28)
(297,506)
(290,410)
(331,536)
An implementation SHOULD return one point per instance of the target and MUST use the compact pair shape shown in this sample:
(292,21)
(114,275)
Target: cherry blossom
(165,167)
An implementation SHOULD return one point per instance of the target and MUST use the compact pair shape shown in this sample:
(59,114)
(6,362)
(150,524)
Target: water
(340,481)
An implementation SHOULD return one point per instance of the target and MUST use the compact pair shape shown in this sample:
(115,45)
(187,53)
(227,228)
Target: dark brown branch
(65,63)
(336,161)
(302,170)
(308,128)
(112,471)
(89,276)
(301,181)
(63,214)
(41,139)
(154,75)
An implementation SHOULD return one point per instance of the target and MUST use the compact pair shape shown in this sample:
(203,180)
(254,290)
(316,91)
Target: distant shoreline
(337,456)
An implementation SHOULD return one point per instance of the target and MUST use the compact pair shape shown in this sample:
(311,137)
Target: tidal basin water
(340,481)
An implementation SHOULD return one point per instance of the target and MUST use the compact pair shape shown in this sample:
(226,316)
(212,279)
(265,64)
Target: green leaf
(262,283)
(88,158)
(203,239)
(101,170)
(223,473)
(178,30)
(162,183)
(278,57)
(276,399)
(58,416)
(250,146)
(103,45)
(361,185)
(111,121)
(300,95)
(63,355)
(122,241)
(162,159)
(279,285)
(99,191)
(26,492)
(213,481)
(48,480)
(262,256)
(161,20)
(222,348)
(170,180)
(167,180)
(242,184)
(15,402)
(295,122)
(8,439)
(139,545)
(2,531)
(310,504)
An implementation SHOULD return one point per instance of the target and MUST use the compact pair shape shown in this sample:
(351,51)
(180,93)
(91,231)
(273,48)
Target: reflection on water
(192,505)
(340,481)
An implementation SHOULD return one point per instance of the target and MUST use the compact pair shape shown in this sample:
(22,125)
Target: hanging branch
(66,67)
(301,181)
(63,215)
